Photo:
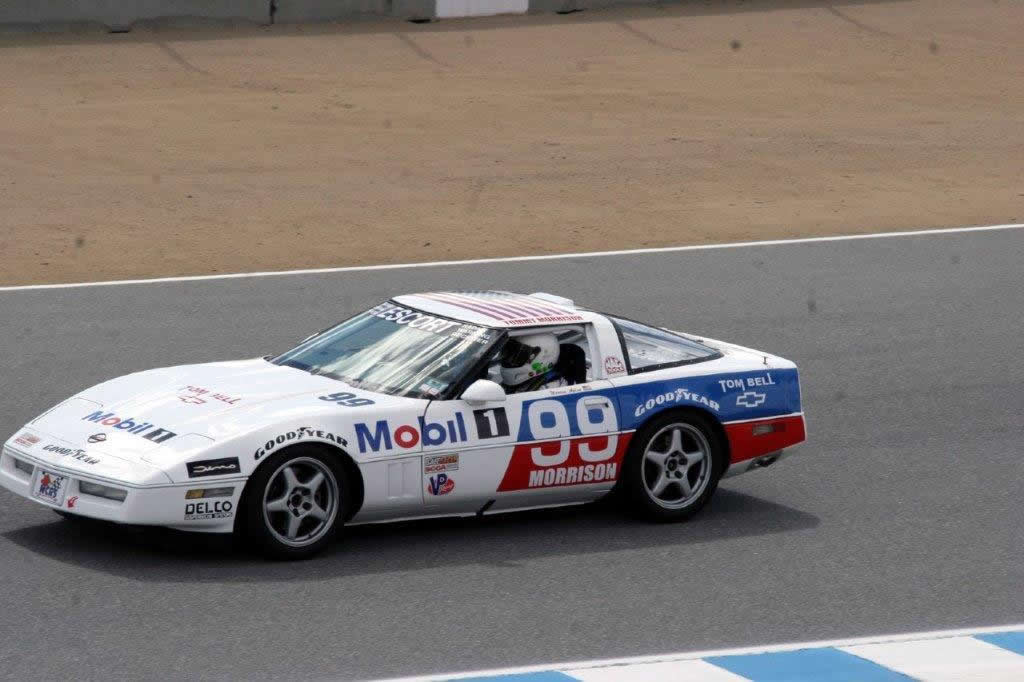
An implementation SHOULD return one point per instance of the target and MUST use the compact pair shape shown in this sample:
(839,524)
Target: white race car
(398,413)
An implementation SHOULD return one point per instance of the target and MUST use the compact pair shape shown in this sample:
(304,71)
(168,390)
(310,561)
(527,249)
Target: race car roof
(498,308)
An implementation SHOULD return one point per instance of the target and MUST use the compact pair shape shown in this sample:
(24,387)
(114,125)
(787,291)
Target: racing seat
(572,363)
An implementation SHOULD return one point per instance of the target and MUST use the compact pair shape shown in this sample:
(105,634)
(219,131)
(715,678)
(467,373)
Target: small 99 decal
(346,399)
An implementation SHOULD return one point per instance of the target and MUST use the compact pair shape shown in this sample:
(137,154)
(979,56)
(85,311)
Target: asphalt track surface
(902,513)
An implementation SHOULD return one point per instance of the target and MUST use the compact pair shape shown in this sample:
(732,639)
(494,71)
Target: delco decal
(381,436)
(144,429)
(440,485)
(200,511)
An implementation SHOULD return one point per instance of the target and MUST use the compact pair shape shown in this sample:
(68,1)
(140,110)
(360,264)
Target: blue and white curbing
(988,654)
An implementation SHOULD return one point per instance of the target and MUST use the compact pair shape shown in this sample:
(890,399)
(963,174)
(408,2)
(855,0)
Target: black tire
(267,530)
(640,476)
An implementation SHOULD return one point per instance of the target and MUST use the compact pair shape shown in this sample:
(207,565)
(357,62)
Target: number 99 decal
(579,444)
(346,399)
(550,420)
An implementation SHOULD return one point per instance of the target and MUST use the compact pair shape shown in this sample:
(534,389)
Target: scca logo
(406,436)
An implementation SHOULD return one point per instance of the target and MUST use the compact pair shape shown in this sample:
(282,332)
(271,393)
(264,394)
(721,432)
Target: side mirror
(483,391)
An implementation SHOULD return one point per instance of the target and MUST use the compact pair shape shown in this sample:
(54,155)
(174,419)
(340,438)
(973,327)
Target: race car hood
(149,415)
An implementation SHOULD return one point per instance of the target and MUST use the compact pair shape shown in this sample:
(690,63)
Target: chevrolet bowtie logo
(750,399)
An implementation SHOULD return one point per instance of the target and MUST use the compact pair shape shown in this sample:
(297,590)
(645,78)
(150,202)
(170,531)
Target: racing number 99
(549,420)
(346,399)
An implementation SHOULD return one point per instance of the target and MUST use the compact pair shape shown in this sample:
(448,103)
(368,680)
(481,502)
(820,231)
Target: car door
(536,448)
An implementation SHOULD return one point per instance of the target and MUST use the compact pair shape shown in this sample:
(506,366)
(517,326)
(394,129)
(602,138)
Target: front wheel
(294,503)
(673,466)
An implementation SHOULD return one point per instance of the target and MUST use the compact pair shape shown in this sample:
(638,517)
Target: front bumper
(149,505)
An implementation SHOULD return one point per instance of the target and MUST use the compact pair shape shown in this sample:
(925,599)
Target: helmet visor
(516,354)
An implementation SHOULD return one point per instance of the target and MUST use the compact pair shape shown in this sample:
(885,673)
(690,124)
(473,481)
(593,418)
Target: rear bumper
(759,443)
(156,505)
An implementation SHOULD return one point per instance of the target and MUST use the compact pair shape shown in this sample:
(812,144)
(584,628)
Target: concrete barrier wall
(480,8)
(289,11)
(121,14)
(537,6)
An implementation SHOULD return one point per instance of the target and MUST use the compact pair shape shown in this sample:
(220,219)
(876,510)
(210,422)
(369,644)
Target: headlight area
(104,491)
(22,466)
(143,499)
(200,493)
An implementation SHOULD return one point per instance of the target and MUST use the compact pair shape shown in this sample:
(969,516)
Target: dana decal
(144,429)
(440,485)
(578,461)
(213,467)
(383,437)
(298,434)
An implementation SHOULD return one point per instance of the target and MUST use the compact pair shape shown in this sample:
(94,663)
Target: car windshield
(395,350)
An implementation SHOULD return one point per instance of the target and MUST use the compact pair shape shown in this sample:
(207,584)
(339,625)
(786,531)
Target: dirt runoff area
(194,150)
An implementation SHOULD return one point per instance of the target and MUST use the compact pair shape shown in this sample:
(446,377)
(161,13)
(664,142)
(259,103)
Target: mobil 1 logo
(491,423)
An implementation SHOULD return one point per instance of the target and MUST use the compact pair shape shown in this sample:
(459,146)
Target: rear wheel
(673,466)
(295,502)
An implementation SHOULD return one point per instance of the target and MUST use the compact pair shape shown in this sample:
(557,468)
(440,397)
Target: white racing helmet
(525,357)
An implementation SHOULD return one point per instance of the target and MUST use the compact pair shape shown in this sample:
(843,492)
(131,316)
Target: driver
(528,364)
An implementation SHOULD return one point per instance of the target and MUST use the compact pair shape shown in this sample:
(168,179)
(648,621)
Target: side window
(649,348)
(573,364)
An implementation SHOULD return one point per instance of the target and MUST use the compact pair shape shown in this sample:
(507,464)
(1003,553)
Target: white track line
(770,648)
(518,259)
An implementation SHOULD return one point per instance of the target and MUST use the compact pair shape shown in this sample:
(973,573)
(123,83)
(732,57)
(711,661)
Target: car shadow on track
(159,555)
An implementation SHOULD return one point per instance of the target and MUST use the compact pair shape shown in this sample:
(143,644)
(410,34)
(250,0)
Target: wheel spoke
(290,479)
(677,441)
(656,457)
(317,512)
(278,505)
(315,482)
(293,526)
(694,457)
(660,485)
(684,483)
